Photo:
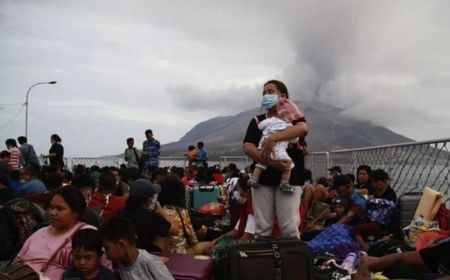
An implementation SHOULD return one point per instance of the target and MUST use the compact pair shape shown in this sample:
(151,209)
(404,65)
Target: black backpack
(8,234)
(386,247)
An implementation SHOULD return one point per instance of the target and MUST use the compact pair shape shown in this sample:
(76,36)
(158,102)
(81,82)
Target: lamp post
(26,103)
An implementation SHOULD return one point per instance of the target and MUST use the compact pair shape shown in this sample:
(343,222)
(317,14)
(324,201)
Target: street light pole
(26,103)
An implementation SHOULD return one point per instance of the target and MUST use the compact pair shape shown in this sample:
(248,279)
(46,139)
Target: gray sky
(125,66)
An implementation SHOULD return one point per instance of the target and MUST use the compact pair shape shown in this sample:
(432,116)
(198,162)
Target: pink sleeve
(24,248)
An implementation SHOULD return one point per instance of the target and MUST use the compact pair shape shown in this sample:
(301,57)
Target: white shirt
(249,226)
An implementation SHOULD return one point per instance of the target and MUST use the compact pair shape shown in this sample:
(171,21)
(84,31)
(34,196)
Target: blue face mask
(269,101)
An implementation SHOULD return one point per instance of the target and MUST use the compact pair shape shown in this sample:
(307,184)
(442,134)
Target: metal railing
(411,166)
(70,162)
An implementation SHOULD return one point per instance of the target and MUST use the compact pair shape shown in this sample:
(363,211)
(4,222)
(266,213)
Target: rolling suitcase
(275,259)
(204,194)
(189,267)
(407,205)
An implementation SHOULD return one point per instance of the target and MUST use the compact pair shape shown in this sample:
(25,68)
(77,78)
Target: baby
(287,113)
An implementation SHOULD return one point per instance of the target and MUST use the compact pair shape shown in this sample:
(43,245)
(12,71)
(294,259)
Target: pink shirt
(40,246)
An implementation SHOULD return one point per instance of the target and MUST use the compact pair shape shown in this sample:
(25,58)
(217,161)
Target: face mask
(239,198)
(269,101)
(152,206)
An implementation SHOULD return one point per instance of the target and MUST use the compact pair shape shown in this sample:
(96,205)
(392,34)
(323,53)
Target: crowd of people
(106,223)
(69,206)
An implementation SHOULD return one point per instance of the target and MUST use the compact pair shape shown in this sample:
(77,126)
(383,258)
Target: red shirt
(106,205)
(187,181)
(218,177)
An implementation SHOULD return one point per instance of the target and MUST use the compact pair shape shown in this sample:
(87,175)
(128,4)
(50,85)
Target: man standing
(202,155)
(27,154)
(151,152)
(201,163)
(131,154)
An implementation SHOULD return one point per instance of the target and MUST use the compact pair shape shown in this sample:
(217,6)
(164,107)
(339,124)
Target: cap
(336,169)
(140,191)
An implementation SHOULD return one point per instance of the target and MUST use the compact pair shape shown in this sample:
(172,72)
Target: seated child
(326,216)
(86,253)
(288,112)
(118,238)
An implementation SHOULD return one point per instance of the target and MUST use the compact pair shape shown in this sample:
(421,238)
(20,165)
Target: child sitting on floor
(86,253)
(119,240)
(325,216)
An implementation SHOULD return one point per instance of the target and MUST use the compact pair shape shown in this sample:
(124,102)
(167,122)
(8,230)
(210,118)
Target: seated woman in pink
(65,215)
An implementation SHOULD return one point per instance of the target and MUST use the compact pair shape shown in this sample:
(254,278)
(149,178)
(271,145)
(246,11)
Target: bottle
(349,262)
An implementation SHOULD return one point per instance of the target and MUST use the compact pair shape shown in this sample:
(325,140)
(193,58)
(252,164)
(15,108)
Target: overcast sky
(125,66)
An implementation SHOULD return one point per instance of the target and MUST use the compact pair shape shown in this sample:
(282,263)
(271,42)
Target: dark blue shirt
(152,147)
(74,274)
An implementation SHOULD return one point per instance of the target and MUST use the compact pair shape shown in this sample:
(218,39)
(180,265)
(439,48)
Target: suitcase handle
(255,253)
(206,188)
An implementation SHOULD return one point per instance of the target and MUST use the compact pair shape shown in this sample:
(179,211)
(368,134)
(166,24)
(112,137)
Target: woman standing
(267,197)
(56,152)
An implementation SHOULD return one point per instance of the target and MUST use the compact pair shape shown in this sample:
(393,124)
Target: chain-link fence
(240,161)
(318,163)
(410,166)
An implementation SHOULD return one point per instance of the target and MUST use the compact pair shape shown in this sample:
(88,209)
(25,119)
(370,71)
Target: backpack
(8,234)
(380,210)
(26,216)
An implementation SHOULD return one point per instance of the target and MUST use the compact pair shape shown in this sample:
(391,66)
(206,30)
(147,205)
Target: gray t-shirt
(146,266)
(28,155)
(130,157)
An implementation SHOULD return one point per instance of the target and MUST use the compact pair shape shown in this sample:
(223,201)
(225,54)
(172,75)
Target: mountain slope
(330,129)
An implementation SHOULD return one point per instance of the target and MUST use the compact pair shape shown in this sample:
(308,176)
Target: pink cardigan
(39,247)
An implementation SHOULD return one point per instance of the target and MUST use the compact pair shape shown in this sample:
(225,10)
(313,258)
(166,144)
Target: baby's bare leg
(257,172)
(285,176)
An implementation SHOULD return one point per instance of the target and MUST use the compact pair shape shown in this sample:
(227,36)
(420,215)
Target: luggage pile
(412,220)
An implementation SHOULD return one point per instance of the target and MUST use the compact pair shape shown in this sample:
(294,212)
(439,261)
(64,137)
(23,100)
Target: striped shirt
(14,158)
